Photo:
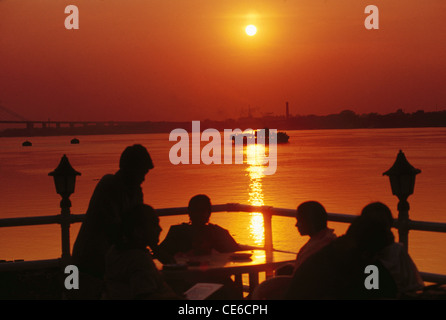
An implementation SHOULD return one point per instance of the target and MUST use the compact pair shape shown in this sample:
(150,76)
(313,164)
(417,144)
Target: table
(225,264)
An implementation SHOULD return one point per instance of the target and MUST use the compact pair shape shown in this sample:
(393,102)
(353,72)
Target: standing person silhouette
(114,195)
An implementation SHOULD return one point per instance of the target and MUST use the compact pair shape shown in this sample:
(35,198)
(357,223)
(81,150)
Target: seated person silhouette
(337,271)
(394,256)
(198,237)
(311,219)
(130,272)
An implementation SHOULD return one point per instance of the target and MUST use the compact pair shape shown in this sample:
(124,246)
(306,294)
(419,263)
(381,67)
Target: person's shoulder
(179,227)
(108,177)
(393,250)
(216,228)
(218,231)
(107,180)
(136,255)
(183,225)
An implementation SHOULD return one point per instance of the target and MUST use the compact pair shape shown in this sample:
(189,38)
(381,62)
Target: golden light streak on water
(255,156)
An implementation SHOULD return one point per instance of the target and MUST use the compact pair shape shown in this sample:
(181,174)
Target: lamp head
(402,176)
(64,177)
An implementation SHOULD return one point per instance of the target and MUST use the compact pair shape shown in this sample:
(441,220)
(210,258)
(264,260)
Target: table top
(237,262)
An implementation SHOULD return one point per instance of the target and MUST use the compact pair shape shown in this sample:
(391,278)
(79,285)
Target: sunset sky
(191,59)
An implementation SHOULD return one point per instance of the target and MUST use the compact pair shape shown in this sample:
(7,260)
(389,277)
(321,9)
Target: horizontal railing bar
(433,277)
(28,221)
(427,226)
(229,207)
(29,265)
(76,218)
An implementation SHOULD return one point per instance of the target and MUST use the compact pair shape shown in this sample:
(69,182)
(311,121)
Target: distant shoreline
(123,132)
(344,120)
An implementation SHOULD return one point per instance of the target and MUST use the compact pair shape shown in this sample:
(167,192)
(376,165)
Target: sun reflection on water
(255,156)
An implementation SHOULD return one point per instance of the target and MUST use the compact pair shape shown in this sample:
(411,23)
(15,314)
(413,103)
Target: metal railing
(66,219)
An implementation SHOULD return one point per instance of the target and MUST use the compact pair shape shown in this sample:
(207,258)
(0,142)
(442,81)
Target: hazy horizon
(4,115)
(181,60)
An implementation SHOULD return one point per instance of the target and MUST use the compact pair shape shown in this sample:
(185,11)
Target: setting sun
(251,30)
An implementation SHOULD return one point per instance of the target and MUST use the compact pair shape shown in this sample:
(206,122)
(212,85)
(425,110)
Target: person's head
(380,212)
(370,233)
(134,163)
(199,209)
(311,218)
(141,227)
(381,215)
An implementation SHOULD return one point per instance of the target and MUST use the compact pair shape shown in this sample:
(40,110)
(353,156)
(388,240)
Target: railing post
(65,221)
(268,231)
(253,281)
(402,181)
(65,180)
(403,222)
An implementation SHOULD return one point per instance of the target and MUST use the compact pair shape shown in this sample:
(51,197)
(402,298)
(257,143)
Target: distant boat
(74,141)
(282,137)
(27,144)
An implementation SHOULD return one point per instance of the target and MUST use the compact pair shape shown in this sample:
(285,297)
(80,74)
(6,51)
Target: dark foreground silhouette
(114,196)
(337,270)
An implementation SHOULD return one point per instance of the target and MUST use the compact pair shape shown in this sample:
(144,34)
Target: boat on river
(282,137)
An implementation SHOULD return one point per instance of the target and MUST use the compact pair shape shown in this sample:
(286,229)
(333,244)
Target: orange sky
(190,59)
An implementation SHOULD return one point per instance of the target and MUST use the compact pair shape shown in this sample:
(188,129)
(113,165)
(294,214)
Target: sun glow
(251,30)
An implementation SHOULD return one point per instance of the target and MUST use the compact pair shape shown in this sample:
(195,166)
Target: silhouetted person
(130,270)
(337,271)
(311,219)
(113,197)
(198,237)
(394,256)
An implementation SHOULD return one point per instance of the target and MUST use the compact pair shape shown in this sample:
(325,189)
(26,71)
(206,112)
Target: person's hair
(313,213)
(199,206)
(380,212)
(135,158)
(371,230)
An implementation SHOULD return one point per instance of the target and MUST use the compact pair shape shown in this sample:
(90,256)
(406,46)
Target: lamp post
(65,180)
(402,181)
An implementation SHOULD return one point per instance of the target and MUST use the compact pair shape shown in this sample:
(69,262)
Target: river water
(342,169)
